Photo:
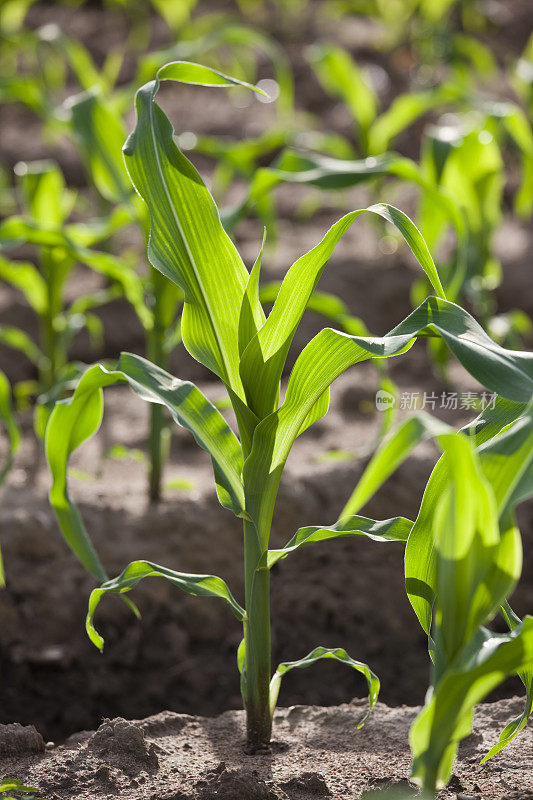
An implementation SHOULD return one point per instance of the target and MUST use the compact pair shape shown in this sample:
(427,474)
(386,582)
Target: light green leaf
(187,241)
(18,339)
(404,110)
(447,716)
(71,423)
(506,463)
(393,530)
(26,277)
(343,79)
(319,653)
(391,453)
(197,585)
(12,429)
(263,360)
(101,135)
(517,724)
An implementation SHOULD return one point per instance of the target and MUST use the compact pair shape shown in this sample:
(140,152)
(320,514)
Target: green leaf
(121,271)
(447,716)
(318,654)
(190,409)
(197,585)
(13,432)
(187,241)
(263,360)
(45,192)
(101,135)
(391,453)
(517,724)
(505,457)
(342,78)
(393,530)
(72,423)
(476,567)
(330,353)
(24,276)
(403,111)
(18,339)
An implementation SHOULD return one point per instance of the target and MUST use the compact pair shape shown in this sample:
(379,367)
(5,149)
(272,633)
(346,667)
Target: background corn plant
(223,326)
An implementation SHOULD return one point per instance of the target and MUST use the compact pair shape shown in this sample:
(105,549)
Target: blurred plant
(47,204)
(224,327)
(467,162)
(10,424)
(522,77)
(423,24)
(376,131)
(9,785)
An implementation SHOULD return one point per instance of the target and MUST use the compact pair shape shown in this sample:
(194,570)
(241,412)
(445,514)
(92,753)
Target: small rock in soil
(17,740)
(124,742)
(224,784)
(309,784)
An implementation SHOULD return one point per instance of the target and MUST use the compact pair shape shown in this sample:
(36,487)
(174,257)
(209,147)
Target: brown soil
(317,753)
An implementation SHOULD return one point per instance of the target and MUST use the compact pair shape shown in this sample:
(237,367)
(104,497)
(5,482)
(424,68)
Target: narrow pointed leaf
(319,653)
(391,453)
(187,242)
(10,423)
(101,135)
(447,716)
(331,352)
(197,585)
(263,360)
(27,278)
(392,530)
(18,339)
(72,422)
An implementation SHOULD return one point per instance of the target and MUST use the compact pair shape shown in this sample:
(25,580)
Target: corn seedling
(375,130)
(224,328)
(59,246)
(468,162)
(463,559)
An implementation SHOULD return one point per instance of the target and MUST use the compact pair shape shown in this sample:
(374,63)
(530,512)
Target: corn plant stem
(47,372)
(257,640)
(158,421)
(48,334)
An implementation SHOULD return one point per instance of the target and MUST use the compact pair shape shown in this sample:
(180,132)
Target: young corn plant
(224,327)
(59,246)
(467,160)
(47,204)
(463,560)
(375,130)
